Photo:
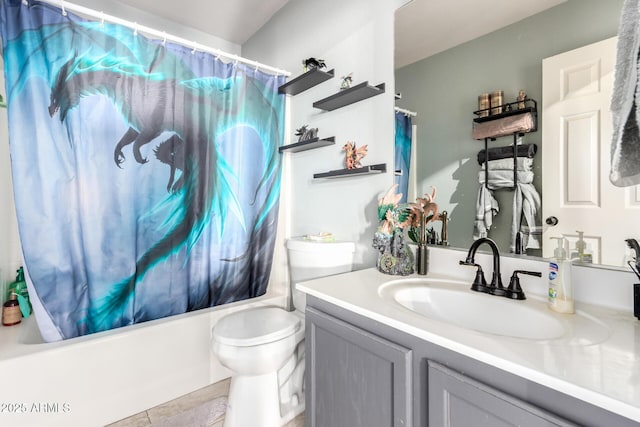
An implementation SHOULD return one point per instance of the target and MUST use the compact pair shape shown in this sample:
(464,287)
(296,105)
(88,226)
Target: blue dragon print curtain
(402,153)
(146,174)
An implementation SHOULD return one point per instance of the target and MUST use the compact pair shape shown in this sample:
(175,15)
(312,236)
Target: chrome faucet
(480,284)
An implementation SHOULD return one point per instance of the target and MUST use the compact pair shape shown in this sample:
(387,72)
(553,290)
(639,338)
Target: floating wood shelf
(305,81)
(309,144)
(349,96)
(365,170)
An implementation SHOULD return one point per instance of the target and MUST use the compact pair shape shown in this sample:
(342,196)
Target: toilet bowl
(255,344)
(264,347)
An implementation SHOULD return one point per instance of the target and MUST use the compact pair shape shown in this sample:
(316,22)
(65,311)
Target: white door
(576,141)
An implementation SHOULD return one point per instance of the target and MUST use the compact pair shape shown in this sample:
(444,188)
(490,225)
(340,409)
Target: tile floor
(201,408)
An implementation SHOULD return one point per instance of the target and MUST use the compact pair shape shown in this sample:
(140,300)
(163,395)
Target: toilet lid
(255,326)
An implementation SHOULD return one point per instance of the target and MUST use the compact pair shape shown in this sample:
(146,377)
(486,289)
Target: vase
(422,259)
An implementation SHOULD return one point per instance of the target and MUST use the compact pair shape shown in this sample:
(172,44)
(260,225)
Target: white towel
(526,201)
(486,208)
(501,179)
(625,145)
(524,164)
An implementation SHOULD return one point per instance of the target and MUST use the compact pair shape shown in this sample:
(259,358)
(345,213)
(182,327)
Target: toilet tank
(311,259)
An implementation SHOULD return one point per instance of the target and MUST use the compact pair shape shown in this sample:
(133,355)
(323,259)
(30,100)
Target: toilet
(264,347)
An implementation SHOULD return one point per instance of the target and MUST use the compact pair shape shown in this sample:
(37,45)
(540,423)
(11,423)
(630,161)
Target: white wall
(351,36)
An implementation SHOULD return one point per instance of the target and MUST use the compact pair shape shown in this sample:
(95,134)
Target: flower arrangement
(422,212)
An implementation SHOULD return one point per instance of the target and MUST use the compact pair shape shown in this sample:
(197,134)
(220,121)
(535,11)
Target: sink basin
(454,303)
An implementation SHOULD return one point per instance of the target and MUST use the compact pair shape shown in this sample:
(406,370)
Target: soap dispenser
(560,290)
(581,253)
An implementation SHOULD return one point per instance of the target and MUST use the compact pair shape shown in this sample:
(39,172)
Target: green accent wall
(443,89)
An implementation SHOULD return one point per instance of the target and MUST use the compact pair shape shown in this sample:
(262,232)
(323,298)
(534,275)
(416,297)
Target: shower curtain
(146,174)
(402,153)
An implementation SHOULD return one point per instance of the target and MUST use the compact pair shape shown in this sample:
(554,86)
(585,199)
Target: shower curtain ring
(164,39)
(64,12)
(193,52)
(25,2)
(135,28)
(101,19)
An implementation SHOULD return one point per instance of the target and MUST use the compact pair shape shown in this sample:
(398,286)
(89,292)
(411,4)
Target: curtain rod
(407,112)
(64,6)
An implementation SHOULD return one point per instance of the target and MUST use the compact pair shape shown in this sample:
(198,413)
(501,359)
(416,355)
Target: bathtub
(101,378)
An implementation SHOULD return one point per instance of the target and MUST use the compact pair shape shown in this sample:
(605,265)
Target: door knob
(551,221)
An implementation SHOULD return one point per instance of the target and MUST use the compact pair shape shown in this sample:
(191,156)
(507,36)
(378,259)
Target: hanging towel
(486,208)
(526,204)
(526,201)
(625,146)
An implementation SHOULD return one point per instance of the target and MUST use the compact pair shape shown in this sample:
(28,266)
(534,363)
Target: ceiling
(426,27)
(232,20)
(422,28)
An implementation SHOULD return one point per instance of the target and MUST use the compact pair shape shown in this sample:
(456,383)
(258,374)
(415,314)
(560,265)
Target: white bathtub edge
(98,380)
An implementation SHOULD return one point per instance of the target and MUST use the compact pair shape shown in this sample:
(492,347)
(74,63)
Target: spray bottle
(560,289)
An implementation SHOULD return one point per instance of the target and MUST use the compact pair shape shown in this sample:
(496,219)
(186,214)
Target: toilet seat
(255,326)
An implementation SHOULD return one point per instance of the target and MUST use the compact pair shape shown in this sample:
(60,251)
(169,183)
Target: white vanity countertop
(605,374)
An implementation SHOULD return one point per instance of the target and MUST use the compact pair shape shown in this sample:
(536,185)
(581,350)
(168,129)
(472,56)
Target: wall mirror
(443,90)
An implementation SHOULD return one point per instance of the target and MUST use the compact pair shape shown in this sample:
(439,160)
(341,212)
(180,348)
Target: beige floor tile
(138,420)
(189,401)
(296,422)
(205,415)
(201,408)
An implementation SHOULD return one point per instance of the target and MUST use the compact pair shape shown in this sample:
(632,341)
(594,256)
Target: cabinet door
(456,400)
(354,378)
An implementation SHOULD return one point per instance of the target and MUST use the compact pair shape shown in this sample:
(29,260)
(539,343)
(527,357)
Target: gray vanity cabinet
(456,400)
(362,373)
(355,378)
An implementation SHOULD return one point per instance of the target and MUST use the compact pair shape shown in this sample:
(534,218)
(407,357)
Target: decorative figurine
(305,133)
(521,97)
(346,81)
(311,63)
(394,256)
(353,155)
